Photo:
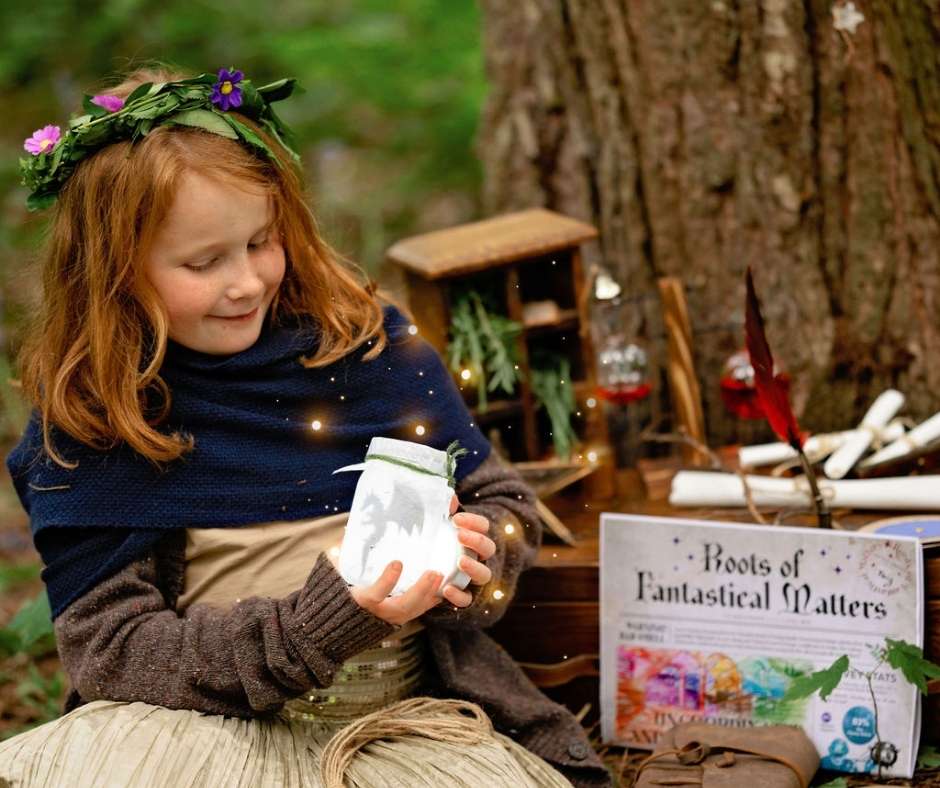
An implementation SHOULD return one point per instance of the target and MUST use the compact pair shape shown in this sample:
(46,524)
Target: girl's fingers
(457,597)
(473,522)
(454,503)
(479,574)
(417,600)
(422,594)
(482,545)
(382,587)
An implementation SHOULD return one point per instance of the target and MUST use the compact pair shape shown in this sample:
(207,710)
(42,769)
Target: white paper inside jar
(402,514)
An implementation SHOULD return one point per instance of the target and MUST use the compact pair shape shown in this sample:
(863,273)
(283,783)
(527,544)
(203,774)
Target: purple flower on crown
(43,140)
(225,93)
(110,103)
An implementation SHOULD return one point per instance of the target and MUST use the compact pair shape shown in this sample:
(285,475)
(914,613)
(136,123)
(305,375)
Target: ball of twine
(454,721)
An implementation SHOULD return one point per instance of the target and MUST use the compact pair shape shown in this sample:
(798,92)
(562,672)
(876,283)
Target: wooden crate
(529,256)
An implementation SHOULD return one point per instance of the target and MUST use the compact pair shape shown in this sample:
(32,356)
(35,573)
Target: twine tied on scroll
(882,410)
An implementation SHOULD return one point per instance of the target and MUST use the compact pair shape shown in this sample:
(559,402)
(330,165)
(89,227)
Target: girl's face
(216,257)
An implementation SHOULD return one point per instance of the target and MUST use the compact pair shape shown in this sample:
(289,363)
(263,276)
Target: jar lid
(426,457)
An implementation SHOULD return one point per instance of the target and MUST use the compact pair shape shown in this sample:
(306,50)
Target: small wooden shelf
(497,409)
(567,319)
(507,407)
(521,258)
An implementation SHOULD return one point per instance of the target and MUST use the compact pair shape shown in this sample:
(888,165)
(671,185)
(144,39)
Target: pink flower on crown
(110,103)
(43,140)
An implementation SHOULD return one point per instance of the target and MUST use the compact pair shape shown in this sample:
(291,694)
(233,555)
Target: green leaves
(928,757)
(280,90)
(31,630)
(910,661)
(485,343)
(184,103)
(41,693)
(825,681)
(203,119)
(13,574)
(553,388)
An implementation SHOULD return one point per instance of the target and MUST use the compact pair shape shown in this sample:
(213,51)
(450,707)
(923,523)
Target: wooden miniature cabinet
(535,255)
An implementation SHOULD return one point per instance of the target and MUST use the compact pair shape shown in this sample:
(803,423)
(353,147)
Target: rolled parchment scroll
(816,447)
(716,488)
(922,435)
(880,413)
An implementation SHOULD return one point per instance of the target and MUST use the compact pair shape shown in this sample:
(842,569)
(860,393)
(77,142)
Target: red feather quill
(771,390)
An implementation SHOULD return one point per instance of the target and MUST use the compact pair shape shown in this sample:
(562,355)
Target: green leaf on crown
(204,119)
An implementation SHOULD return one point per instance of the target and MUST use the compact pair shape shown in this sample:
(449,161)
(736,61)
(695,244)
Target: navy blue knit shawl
(257,457)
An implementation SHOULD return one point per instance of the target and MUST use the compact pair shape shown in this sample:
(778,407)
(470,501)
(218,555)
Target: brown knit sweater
(124,640)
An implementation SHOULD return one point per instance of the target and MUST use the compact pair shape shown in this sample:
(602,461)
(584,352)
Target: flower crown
(201,102)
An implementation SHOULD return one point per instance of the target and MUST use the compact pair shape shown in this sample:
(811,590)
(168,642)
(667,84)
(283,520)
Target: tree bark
(702,136)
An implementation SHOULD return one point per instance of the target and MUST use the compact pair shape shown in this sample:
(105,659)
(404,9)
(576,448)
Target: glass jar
(401,512)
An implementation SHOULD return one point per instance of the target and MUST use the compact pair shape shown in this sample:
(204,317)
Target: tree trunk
(702,136)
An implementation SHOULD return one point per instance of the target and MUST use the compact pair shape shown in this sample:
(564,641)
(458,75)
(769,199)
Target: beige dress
(109,743)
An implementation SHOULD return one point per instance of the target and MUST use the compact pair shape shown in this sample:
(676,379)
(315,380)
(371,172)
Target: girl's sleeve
(121,641)
(498,492)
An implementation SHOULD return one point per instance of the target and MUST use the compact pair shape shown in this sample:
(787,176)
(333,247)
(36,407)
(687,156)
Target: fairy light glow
(497,594)
(592,456)
(412,329)
(465,374)
(316,424)
(591,402)
(509,528)
(419,430)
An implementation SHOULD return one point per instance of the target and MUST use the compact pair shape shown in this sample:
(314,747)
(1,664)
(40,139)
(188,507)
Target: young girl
(199,365)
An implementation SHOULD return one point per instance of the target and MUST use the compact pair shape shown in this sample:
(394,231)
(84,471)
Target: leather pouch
(699,754)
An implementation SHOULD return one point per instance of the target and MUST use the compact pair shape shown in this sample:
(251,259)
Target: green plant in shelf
(484,343)
(554,391)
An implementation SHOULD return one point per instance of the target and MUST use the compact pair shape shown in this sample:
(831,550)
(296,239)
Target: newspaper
(712,621)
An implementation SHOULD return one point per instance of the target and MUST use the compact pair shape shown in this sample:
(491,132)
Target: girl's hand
(422,596)
(471,531)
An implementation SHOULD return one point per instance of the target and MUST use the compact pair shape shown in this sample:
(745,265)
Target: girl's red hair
(91,354)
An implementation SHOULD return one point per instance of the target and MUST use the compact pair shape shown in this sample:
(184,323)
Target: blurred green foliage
(30,631)
(386,126)
(25,640)
(13,574)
